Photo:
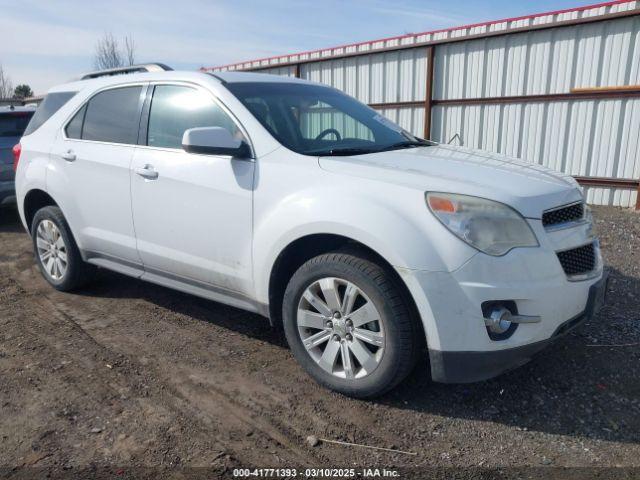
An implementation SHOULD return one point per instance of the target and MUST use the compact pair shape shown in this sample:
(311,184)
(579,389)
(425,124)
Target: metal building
(561,89)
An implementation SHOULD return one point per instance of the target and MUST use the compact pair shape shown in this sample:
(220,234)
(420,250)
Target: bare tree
(109,53)
(130,50)
(6,86)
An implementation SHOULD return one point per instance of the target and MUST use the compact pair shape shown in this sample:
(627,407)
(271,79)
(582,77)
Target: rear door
(192,212)
(93,157)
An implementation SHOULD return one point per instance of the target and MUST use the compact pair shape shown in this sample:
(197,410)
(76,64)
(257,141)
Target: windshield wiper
(337,152)
(406,144)
(345,151)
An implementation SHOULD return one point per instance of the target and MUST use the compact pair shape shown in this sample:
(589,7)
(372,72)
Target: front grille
(571,213)
(578,260)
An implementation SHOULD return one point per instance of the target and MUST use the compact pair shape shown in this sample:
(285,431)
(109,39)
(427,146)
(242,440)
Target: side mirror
(214,141)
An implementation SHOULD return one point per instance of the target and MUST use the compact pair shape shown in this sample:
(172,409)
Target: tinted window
(50,105)
(317,120)
(112,116)
(14,124)
(175,109)
(74,127)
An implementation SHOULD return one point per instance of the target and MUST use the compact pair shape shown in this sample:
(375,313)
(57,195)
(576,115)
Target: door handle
(69,156)
(147,172)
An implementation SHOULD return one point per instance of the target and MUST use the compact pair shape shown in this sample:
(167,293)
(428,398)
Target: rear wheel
(349,326)
(56,251)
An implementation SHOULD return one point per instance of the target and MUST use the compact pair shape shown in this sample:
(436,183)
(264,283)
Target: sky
(48,42)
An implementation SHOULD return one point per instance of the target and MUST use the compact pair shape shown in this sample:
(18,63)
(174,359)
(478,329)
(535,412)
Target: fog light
(498,321)
(501,319)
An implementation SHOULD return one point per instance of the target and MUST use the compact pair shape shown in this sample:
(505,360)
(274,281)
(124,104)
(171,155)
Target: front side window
(318,120)
(113,116)
(175,109)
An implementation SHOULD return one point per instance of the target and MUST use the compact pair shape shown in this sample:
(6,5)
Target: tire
(69,270)
(393,341)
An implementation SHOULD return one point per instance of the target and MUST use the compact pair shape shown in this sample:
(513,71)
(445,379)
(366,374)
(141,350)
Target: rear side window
(175,109)
(50,105)
(14,124)
(112,116)
(74,127)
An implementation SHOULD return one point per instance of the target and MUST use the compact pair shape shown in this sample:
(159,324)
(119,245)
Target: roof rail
(147,67)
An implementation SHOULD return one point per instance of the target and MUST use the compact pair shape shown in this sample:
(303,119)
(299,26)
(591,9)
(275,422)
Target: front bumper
(531,279)
(474,366)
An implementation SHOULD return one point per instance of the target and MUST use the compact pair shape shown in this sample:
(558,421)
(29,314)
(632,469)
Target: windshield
(317,120)
(13,124)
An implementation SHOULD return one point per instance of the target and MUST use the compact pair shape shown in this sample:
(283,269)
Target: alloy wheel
(52,250)
(341,328)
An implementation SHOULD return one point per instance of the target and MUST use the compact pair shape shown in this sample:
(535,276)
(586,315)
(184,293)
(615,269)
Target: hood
(527,187)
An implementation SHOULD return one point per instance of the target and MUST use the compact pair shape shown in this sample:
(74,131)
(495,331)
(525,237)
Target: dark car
(13,121)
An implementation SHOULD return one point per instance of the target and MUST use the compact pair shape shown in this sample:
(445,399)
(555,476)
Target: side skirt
(182,284)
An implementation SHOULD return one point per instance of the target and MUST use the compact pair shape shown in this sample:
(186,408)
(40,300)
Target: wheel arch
(34,200)
(302,249)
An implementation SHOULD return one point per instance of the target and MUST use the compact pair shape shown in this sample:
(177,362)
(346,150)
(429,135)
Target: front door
(192,213)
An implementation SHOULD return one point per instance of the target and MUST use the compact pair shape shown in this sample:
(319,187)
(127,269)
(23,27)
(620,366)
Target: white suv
(295,201)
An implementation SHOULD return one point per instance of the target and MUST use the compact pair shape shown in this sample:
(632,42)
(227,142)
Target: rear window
(13,124)
(50,105)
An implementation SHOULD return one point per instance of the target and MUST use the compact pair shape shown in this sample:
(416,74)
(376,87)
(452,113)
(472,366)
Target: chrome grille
(558,216)
(578,261)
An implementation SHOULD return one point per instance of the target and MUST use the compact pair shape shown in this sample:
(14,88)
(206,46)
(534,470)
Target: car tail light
(17,150)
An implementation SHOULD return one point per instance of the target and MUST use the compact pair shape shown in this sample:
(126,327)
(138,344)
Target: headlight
(491,227)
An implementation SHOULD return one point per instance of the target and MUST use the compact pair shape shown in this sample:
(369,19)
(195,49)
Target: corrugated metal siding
(287,71)
(540,62)
(409,118)
(581,137)
(388,77)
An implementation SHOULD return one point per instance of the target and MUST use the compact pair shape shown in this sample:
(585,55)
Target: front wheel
(349,326)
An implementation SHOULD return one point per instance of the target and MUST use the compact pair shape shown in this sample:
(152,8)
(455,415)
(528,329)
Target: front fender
(407,237)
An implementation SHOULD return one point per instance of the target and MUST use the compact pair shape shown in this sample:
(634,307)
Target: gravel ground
(126,375)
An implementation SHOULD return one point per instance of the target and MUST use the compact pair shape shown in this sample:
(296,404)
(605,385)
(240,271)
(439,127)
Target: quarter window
(112,116)
(50,105)
(74,127)
(175,109)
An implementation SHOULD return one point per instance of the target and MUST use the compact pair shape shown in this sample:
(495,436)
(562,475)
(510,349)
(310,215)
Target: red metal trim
(626,183)
(550,97)
(423,44)
(419,103)
(606,182)
(410,35)
(428,94)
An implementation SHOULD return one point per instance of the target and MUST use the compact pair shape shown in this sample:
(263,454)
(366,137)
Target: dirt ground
(135,379)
